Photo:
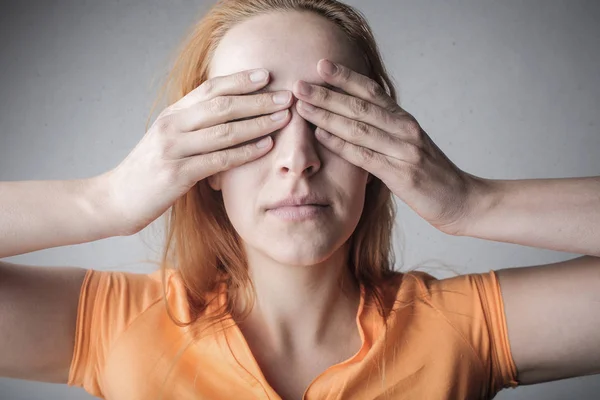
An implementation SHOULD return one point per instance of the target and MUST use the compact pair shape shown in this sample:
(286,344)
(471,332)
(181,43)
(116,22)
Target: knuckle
(344,74)
(221,159)
(406,127)
(375,90)
(263,122)
(263,100)
(224,133)
(359,129)
(322,94)
(248,152)
(365,155)
(241,79)
(220,105)
(412,128)
(358,107)
(207,87)
(166,124)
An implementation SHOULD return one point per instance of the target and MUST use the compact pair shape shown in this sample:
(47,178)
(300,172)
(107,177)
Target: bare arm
(36,215)
(561,214)
(553,318)
(552,311)
(38,305)
(38,312)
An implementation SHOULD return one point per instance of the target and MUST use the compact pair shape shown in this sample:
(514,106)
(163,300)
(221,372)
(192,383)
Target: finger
(228,135)
(224,109)
(237,83)
(201,166)
(352,107)
(357,85)
(356,132)
(367,159)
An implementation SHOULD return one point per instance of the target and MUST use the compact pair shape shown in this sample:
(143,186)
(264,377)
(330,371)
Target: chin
(299,256)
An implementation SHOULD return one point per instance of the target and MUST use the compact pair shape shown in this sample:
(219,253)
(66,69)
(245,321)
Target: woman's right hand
(191,140)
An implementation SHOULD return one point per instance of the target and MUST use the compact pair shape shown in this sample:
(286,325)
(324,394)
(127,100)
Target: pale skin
(551,310)
(301,320)
(294,266)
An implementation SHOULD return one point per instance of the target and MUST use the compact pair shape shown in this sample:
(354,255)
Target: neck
(302,306)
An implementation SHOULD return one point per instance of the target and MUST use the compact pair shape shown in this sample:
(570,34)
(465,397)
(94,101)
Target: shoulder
(407,284)
(470,304)
(450,287)
(130,293)
(471,293)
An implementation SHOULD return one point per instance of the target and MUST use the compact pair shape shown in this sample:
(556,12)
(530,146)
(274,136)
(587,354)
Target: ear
(215,181)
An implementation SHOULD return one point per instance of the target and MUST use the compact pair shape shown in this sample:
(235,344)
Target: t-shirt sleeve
(473,303)
(108,303)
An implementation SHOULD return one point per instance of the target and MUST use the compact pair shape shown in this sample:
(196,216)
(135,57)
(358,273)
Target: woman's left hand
(370,130)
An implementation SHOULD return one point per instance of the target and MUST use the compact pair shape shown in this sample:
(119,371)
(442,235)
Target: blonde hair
(201,243)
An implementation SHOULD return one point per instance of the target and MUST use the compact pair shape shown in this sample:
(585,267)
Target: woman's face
(289,45)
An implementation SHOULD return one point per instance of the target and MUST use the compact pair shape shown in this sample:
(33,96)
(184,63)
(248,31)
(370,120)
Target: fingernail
(329,68)
(258,76)
(304,88)
(264,142)
(322,134)
(281,98)
(306,106)
(279,115)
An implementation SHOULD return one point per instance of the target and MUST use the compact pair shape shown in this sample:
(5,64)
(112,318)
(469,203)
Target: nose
(295,147)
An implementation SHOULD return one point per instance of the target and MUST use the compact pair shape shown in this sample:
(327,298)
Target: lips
(298,213)
(307,199)
(299,206)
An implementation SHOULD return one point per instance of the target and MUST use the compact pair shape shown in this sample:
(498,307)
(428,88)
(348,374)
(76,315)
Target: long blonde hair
(201,242)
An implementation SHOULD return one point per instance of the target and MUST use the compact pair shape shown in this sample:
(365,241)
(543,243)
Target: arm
(38,305)
(36,215)
(556,214)
(552,311)
(38,312)
(553,318)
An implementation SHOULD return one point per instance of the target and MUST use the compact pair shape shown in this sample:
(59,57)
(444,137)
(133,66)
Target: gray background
(508,90)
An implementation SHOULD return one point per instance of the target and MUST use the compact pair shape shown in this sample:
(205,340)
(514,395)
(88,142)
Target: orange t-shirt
(448,340)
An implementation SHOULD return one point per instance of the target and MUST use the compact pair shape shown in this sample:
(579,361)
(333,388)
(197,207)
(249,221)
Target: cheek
(239,180)
(355,184)
(344,171)
(340,166)
(240,188)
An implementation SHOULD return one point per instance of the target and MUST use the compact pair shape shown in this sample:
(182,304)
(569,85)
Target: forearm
(37,215)
(561,214)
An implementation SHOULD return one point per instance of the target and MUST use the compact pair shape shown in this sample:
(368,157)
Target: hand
(367,128)
(191,140)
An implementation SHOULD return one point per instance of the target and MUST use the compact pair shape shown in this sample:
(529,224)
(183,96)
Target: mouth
(299,212)
(298,206)
(307,199)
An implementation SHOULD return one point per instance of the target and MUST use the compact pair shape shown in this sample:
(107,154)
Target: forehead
(288,44)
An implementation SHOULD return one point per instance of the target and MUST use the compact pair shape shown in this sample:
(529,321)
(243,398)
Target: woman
(277,279)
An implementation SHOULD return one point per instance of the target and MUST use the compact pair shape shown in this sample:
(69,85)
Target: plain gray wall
(508,90)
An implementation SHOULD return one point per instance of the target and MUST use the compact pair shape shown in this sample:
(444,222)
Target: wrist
(483,198)
(98,205)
